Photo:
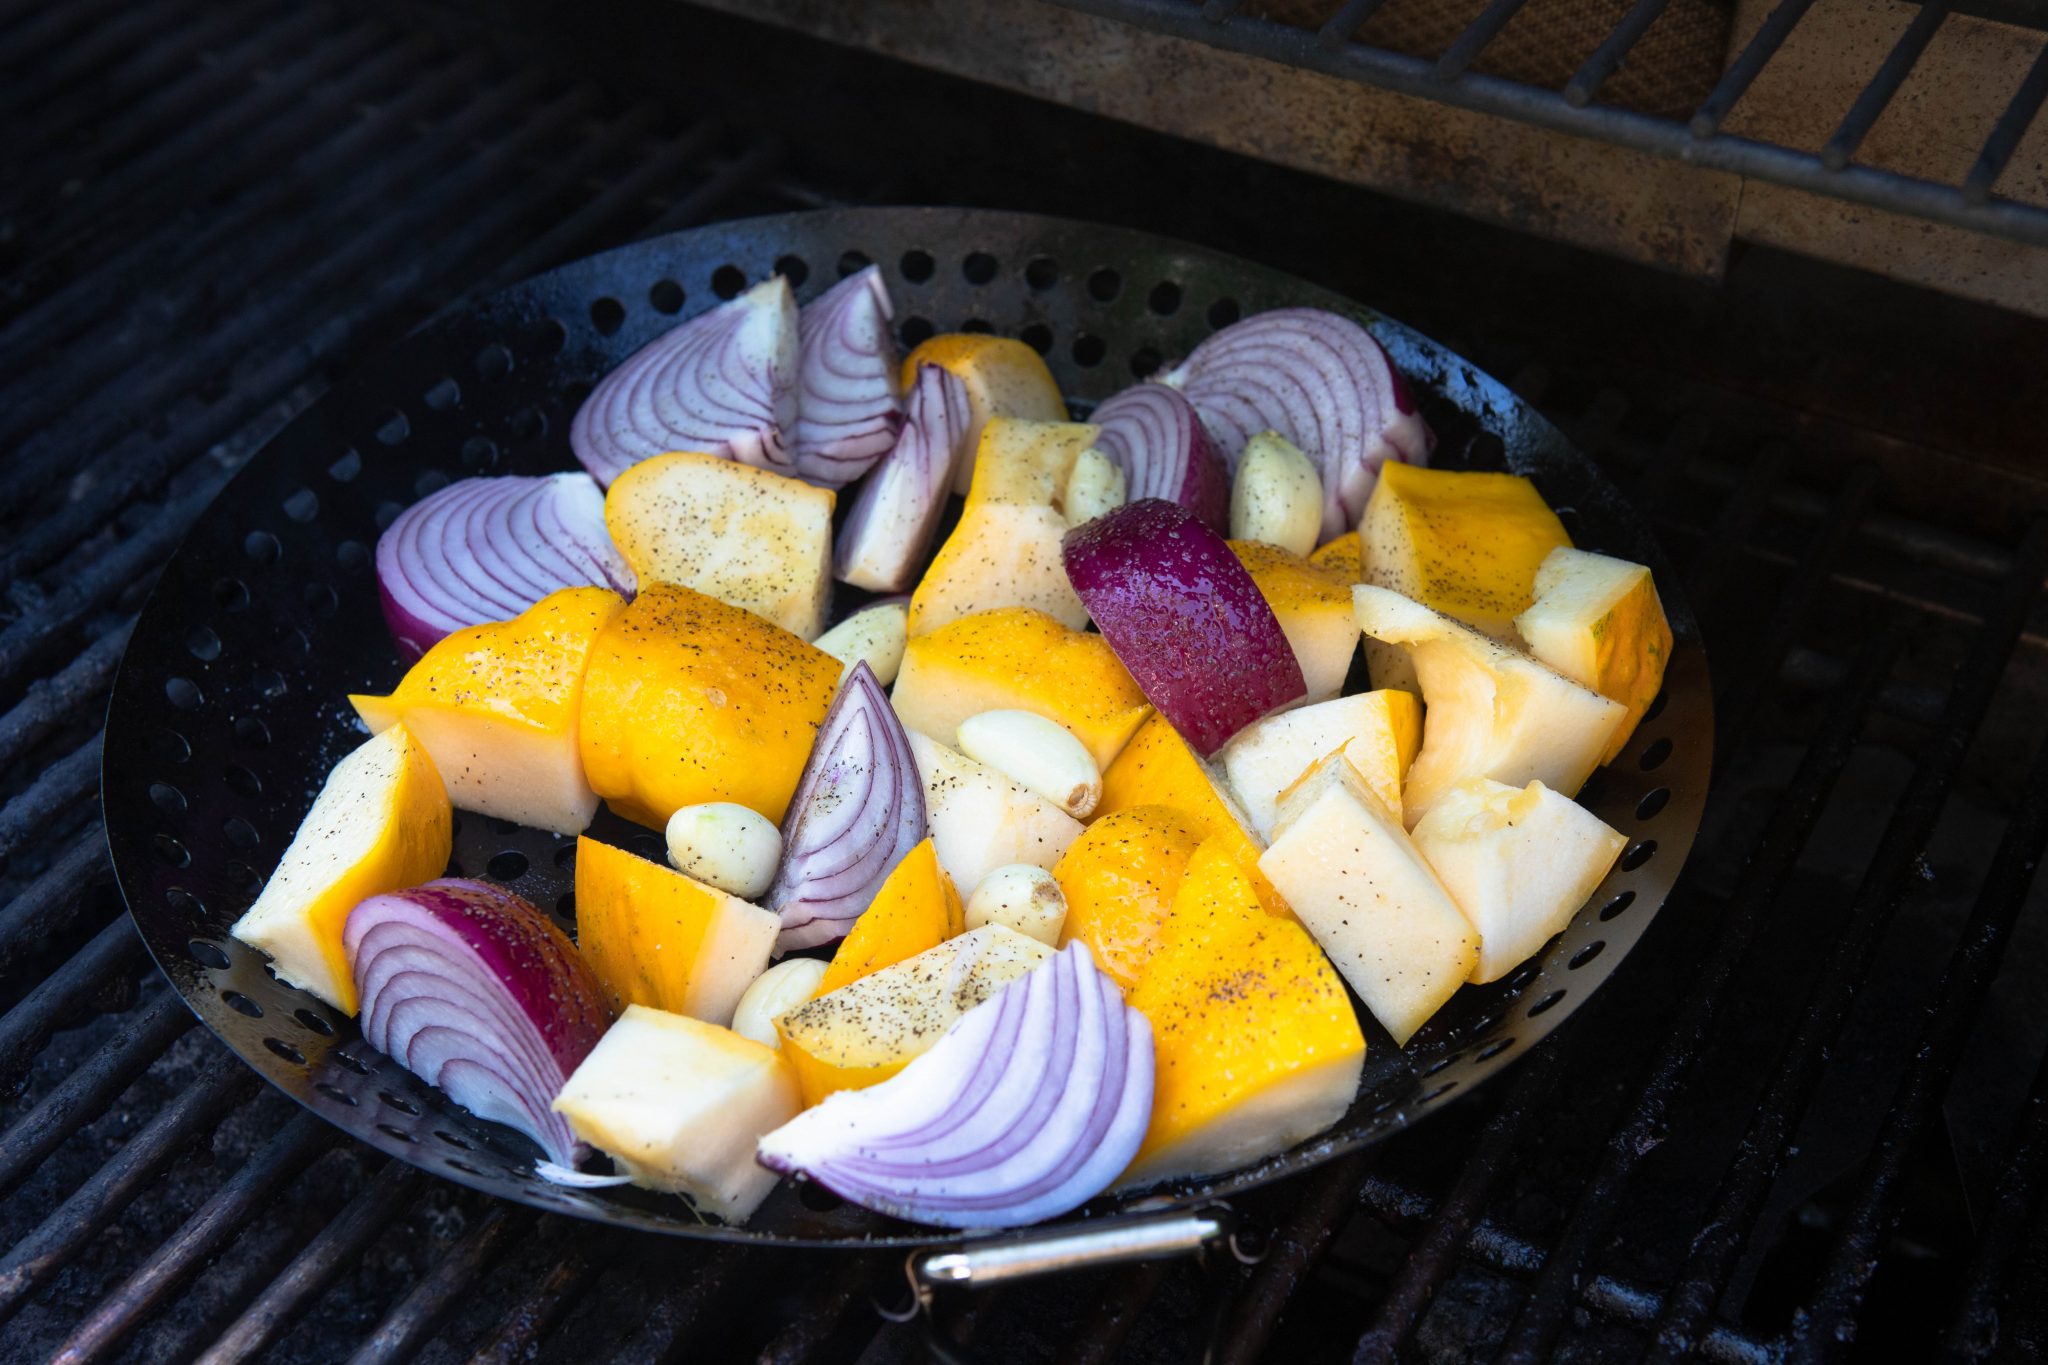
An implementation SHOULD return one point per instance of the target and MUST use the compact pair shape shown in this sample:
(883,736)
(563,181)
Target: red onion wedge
(1029,1106)
(1154,435)
(487,549)
(470,988)
(1322,382)
(888,532)
(847,412)
(1185,617)
(858,808)
(723,383)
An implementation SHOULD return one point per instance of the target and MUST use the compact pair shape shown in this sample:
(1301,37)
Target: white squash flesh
(980,820)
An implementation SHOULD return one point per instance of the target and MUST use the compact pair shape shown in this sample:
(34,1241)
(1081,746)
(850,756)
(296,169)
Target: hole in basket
(399,1102)
(320,599)
(795,269)
(916,266)
(816,1197)
(241,781)
(1384,1105)
(1145,363)
(230,594)
(979,267)
(727,281)
(978,326)
(313,1021)
(1587,954)
(607,315)
(184,902)
(269,683)
(167,798)
(1653,801)
(1617,905)
(565,906)
(262,547)
(479,453)
(335,1093)
(853,262)
(565,856)
(170,746)
(507,866)
(351,554)
(1223,312)
(243,875)
(394,1131)
(1657,706)
(240,833)
(915,332)
(649,846)
(1522,976)
(549,336)
(1037,336)
(665,296)
(302,506)
(203,644)
(345,469)
(1640,854)
(241,1004)
(454,1140)
(1164,298)
(183,693)
(494,361)
(1546,1004)
(388,512)
(285,1050)
(1439,1064)
(444,395)
(1446,1088)
(1042,272)
(393,430)
(527,422)
(464,1167)
(207,954)
(352,1063)
(1104,285)
(1493,1049)
(430,482)
(252,733)
(1654,756)
(1089,350)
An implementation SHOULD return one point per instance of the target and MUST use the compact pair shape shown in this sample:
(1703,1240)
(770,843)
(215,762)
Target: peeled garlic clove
(876,634)
(1036,753)
(1020,897)
(1278,497)
(1095,487)
(775,993)
(726,846)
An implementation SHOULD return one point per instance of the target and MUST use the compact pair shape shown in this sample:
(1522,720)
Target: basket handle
(1140,1237)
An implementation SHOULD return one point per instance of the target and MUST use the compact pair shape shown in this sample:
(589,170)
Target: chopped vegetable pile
(1078,868)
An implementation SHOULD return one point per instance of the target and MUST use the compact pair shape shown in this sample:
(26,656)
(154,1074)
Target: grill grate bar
(59,1238)
(147,68)
(389,1194)
(1720,1240)
(1346,22)
(410,1325)
(1763,880)
(107,43)
(675,1315)
(179,1258)
(48,26)
(823,1313)
(62,785)
(1433,1256)
(63,994)
(750,166)
(530,1320)
(1474,40)
(1737,79)
(1824,1330)
(1100,1336)
(49,702)
(1291,1253)
(1974,1334)
(1607,58)
(1898,64)
(2005,136)
(49,904)
(88,1090)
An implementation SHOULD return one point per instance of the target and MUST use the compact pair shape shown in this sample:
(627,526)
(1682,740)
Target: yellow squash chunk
(1463,543)
(751,537)
(862,1034)
(1020,659)
(381,823)
(1157,768)
(1006,550)
(915,909)
(1004,378)
(498,706)
(657,938)
(1599,621)
(1378,732)
(1255,1044)
(1120,878)
(1344,555)
(1313,606)
(1360,886)
(679,1104)
(689,700)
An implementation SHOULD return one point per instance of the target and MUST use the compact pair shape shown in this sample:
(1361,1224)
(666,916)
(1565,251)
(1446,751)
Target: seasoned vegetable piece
(1599,622)
(874,636)
(917,908)
(1313,607)
(980,820)
(1157,768)
(1378,732)
(1036,753)
(776,992)
(1119,880)
(1152,433)
(1276,498)
(1021,897)
(1004,378)
(726,846)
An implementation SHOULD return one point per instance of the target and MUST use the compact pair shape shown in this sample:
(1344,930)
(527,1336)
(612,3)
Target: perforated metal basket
(230,705)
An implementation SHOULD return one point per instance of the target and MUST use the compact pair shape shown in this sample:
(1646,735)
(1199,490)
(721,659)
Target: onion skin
(487,549)
(1185,617)
(1029,1106)
(473,990)
(1153,433)
(723,383)
(1323,383)
(888,532)
(858,809)
(848,412)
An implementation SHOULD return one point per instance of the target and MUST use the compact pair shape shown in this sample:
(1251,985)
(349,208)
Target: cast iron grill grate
(157,1206)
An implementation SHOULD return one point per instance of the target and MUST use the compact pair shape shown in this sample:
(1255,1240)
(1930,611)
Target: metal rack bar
(1347,21)
(61,786)
(1291,1253)
(2005,136)
(1898,64)
(1481,31)
(1607,58)
(1973,1334)
(527,1322)
(64,994)
(49,702)
(48,905)
(410,1325)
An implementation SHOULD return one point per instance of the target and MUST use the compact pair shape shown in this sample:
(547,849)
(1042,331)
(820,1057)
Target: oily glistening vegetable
(1075,907)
